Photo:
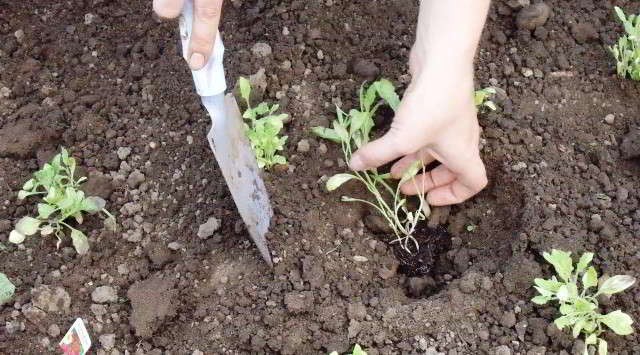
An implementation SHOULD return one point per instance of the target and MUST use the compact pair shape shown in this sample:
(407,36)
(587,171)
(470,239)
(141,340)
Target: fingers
(381,151)
(204,31)
(398,169)
(446,187)
(168,8)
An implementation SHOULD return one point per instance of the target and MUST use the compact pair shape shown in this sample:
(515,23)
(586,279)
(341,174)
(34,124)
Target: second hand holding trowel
(228,141)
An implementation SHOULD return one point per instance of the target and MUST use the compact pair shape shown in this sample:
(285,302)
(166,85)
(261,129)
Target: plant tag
(76,341)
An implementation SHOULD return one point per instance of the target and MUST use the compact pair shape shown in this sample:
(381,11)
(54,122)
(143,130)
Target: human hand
(436,121)
(205,26)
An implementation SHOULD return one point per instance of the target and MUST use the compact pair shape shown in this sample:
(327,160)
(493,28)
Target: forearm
(449,32)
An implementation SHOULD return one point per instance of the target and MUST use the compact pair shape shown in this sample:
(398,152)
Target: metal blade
(239,167)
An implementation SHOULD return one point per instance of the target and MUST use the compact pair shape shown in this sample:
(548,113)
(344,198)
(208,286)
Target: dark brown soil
(97,76)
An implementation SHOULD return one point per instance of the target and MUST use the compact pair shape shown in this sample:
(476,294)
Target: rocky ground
(104,79)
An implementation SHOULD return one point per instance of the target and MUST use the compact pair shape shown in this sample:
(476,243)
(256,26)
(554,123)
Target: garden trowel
(228,140)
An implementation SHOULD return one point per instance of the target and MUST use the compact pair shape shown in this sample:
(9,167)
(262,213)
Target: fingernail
(356,163)
(196,61)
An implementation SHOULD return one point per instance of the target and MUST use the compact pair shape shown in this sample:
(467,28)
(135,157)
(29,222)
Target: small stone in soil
(508,319)
(208,228)
(135,179)
(533,16)
(365,68)
(303,146)
(104,294)
(610,118)
(49,299)
(261,50)
(53,330)
(123,152)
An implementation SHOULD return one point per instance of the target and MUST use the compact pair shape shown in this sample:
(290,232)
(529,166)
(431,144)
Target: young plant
(7,289)
(263,127)
(357,350)
(61,200)
(353,130)
(576,289)
(482,98)
(627,50)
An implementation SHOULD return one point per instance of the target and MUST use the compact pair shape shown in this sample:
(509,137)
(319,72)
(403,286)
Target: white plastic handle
(210,80)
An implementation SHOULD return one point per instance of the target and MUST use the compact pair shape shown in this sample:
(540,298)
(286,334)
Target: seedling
(357,350)
(627,50)
(482,98)
(61,200)
(263,127)
(577,291)
(7,289)
(353,130)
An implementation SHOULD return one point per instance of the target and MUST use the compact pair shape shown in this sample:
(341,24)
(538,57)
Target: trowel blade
(239,167)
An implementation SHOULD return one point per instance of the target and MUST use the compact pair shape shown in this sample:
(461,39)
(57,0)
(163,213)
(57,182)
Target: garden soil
(104,79)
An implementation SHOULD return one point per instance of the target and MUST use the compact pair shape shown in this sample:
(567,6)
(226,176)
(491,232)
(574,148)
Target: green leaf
(22,195)
(619,322)
(358,120)
(616,284)
(387,91)
(93,204)
(583,305)
(590,278)
(550,285)
(577,328)
(540,300)
(564,293)
(357,350)
(411,171)
(27,226)
(561,262)
(585,259)
(245,89)
(7,289)
(80,241)
(337,180)
(326,133)
(564,321)
(45,210)
(16,237)
(341,131)
(591,339)
(567,308)
(602,347)
(29,184)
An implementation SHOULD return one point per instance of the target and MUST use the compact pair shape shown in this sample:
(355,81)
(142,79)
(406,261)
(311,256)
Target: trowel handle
(209,80)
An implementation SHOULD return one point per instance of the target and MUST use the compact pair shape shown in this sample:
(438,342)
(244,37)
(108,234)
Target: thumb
(381,151)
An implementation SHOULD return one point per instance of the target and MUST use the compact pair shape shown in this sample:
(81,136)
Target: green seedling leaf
(7,289)
(80,241)
(16,237)
(540,300)
(30,184)
(45,210)
(326,133)
(549,285)
(338,180)
(561,262)
(591,339)
(590,278)
(387,92)
(357,350)
(602,347)
(93,204)
(616,284)
(585,260)
(564,321)
(245,89)
(619,322)
(22,194)
(411,171)
(27,226)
